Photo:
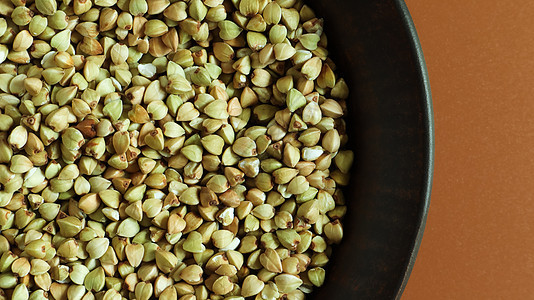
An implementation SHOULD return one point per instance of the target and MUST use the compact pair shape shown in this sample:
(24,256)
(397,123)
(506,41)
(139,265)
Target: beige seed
(23,40)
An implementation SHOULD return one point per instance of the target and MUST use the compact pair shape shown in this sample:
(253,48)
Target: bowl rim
(429,143)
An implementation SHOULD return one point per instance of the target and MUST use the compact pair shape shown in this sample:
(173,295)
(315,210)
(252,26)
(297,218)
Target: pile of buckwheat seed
(168,149)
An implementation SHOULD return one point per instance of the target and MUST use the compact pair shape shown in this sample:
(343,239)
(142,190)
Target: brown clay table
(479,238)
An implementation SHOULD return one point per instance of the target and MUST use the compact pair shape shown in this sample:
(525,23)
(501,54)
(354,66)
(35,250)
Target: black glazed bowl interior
(375,47)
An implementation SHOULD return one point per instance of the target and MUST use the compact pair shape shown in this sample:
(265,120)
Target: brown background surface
(479,238)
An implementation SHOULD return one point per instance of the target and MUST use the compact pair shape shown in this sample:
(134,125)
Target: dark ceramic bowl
(376,49)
